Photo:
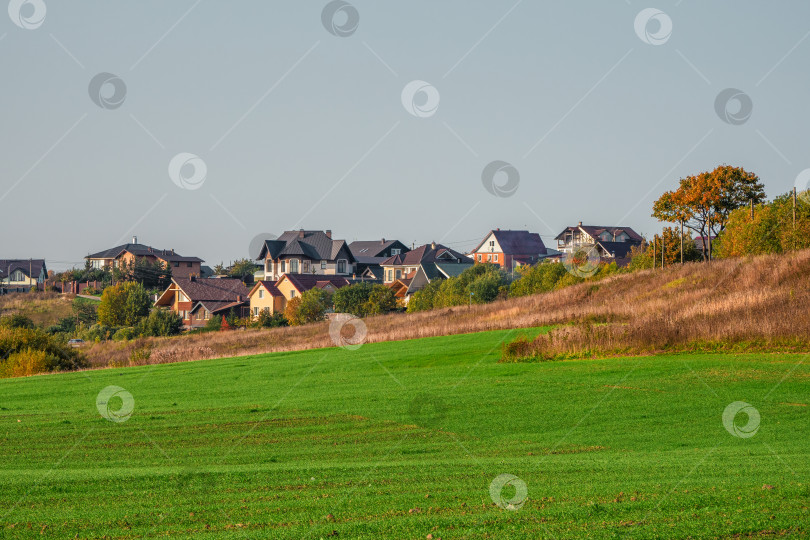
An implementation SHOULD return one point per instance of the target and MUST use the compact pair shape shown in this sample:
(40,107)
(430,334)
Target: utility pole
(662,250)
(752,209)
(681,241)
(655,244)
(794,217)
(709,237)
(30,262)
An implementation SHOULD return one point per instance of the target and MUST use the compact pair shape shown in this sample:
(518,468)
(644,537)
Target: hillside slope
(755,298)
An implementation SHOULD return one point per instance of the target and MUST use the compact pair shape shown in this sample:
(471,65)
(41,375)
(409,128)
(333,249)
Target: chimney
(134,239)
(329,233)
(433,245)
(172,251)
(301,233)
(238,297)
(382,241)
(580,224)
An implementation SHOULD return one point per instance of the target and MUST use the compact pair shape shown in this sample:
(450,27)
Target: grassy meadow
(403,440)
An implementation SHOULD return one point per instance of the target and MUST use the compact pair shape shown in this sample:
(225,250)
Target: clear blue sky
(302,128)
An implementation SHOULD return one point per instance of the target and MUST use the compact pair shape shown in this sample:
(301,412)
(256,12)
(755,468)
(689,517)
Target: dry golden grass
(750,304)
(760,300)
(44,308)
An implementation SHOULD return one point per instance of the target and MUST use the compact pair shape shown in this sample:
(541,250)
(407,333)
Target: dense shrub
(161,322)
(310,307)
(28,343)
(480,284)
(16,321)
(266,320)
(362,299)
(24,363)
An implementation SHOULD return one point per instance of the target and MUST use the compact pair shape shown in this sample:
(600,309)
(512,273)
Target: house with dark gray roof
(306,252)
(127,254)
(370,253)
(412,271)
(611,243)
(19,275)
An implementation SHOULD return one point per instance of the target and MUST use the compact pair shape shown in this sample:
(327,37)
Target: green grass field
(402,440)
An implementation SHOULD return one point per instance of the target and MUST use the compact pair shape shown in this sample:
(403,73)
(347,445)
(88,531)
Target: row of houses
(300,260)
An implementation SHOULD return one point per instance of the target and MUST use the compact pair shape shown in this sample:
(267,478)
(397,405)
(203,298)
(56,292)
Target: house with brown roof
(306,252)
(410,272)
(197,300)
(265,296)
(126,255)
(612,243)
(509,249)
(294,285)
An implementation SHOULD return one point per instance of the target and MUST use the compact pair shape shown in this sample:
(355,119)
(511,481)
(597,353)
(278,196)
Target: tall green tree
(124,304)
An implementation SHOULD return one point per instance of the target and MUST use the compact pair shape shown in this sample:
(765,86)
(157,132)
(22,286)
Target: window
(306,267)
(390,275)
(495,257)
(294,266)
(323,265)
(188,264)
(399,274)
(177,265)
(489,257)
(341,267)
(207,314)
(492,243)
(261,293)
(283,266)
(292,293)
(395,251)
(17,276)
(255,312)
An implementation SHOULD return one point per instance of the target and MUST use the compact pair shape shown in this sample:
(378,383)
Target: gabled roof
(452,270)
(305,282)
(619,250)
(11,265)
(313,244)
(595,230)
(427,253)
(372,248)
(214,306)
(142,250)
(269,286)
(208,290)
(516,242)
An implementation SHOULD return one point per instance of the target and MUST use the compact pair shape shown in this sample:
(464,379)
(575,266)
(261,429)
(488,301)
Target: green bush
(161,322)
(16,321)
(266,320)
(29,344)
(362,299)
(125,334)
